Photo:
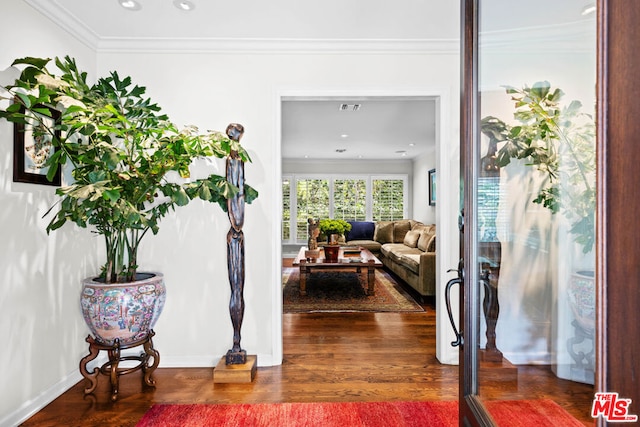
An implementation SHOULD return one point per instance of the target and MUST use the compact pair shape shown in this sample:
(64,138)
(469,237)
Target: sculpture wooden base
(501,371)
(242,373)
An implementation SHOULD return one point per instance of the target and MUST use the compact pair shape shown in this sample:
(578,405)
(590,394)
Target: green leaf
(540,89)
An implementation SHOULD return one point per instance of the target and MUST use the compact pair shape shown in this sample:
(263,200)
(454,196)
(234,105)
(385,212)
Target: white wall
(422,211)
(41,274)
(210,91)
(42,328)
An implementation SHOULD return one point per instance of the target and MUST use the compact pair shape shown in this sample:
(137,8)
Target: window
(357,198)
(388,199)
(312,202)
(350,199)
(286,209)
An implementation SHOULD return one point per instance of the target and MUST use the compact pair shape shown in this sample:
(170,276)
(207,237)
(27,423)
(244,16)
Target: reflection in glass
(536,192)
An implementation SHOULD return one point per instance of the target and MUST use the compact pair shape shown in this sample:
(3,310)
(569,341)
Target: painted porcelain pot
(126,311)
(582,298)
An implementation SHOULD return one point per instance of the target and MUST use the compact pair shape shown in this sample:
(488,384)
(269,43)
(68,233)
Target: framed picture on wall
(432,187)
(32,147)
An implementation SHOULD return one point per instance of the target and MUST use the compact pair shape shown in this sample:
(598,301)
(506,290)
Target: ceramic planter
(126,311)
(582,299)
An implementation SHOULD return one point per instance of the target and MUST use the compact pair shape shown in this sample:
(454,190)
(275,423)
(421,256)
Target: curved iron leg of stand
(114,358)
(91,377)
(150,352)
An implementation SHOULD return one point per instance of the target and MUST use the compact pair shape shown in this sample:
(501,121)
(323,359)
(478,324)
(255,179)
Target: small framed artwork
(432,187)
(32,147)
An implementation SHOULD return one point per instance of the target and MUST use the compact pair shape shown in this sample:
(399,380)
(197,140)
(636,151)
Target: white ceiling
(311,128)
(397,128)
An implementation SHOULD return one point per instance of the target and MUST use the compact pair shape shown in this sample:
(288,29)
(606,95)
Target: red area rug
(344,292)
(346,414)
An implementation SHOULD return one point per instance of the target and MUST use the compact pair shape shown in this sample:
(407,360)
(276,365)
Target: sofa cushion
(400,229)
(383,232)
(371,245)
(411,238)
(360,230)
(425,239)
(411,261)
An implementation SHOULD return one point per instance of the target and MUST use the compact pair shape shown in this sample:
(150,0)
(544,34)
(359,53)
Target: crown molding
(270,46)
(69,23)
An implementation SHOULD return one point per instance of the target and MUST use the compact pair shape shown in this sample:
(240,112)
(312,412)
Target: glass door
(528,159)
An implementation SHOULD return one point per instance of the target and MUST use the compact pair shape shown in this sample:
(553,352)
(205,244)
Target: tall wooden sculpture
(235,246)
(236,366)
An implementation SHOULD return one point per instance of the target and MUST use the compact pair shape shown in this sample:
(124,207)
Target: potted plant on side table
(130,167)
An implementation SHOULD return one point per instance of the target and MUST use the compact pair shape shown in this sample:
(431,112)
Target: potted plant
(560,143)
(334,227)
(130,167)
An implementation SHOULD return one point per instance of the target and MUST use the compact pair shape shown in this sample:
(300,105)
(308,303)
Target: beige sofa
(406,247)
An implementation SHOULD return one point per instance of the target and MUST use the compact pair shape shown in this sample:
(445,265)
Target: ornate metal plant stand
(149,360)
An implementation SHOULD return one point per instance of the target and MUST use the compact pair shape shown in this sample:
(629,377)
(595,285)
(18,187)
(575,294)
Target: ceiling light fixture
(130,4)
(184,5)
(349,107)
(344,135)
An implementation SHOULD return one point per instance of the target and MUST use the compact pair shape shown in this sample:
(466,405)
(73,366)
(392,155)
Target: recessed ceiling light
(184,5)
(411,144)
(401,152)
(130,4)
(344,135)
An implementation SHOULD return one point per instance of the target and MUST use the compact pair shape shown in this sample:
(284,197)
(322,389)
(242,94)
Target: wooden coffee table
(366,261)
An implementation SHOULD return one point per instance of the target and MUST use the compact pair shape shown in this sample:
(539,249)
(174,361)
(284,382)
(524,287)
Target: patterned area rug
(344,292)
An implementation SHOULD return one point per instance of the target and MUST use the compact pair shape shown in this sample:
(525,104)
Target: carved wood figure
(235,246)
(314,232)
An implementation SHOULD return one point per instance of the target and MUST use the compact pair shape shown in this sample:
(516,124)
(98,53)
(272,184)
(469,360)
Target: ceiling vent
(349,107)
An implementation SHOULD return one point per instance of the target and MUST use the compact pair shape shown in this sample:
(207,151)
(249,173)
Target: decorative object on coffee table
(314,232)
(331,253)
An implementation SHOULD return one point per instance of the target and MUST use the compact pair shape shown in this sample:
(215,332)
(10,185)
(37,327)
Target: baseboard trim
(31,407)
(205,361)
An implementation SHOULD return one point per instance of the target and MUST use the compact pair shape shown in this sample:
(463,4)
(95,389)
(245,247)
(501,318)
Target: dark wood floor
(327,357)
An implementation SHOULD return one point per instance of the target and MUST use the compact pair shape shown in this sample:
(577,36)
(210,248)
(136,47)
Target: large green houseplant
(559,141)
(129,164)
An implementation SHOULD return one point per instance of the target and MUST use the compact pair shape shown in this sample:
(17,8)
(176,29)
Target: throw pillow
(360,230)
(383,232)
(431,246)
(411,238)
(400,229)
(425,238)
